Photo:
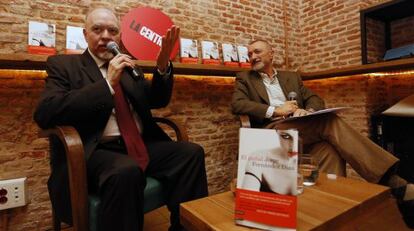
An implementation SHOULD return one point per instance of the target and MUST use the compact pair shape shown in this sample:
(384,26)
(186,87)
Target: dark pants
(120,183)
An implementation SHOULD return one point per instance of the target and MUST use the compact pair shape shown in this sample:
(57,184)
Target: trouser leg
(329,159)
(181,167)
(119,183)
(368,159)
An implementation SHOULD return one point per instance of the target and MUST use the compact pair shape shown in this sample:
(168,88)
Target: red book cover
(266,194)
(210,52)
(41,39)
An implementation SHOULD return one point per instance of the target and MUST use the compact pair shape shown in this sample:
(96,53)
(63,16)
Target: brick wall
(201,104)
(222,21)
(21,153)
(330,35)
(307,35)
(375,40)
(402,32)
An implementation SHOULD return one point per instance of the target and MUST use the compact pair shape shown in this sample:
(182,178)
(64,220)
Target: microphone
(114,49)
(292,96)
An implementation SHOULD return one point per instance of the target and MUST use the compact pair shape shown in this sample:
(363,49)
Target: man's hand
(168,42)
(300,112)
(286,109)
(116,66)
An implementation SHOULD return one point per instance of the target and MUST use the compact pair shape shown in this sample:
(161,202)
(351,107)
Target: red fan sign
(142,31)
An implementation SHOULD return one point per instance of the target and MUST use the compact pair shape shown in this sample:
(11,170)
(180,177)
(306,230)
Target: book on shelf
(210,52)
(266,194)
(243,54)
(75,40)
(41,38)
(230,57)
(188,50)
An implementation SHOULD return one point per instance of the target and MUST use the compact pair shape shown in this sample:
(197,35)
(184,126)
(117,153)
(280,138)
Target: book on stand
(41,38)
(188,50)
(230,57)
(210,52)
(266,194)
(75,40)
(244,60)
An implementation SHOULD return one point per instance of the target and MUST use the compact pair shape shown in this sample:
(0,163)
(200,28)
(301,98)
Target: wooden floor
(157,220)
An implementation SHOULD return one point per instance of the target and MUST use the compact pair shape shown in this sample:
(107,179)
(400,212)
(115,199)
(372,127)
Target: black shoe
(406,207)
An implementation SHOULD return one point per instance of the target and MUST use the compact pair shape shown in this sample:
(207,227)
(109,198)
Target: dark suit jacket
(76,94)
(250,96)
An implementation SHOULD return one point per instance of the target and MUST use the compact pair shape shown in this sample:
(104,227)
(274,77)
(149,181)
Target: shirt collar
(98,61)
(267,79)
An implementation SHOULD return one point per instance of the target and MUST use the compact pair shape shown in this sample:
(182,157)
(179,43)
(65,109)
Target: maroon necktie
(129,131)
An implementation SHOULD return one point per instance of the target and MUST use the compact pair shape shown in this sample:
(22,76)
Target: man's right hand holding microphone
(290,108)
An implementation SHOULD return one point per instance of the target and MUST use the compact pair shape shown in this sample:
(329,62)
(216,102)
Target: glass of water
(300,184)
(308,168)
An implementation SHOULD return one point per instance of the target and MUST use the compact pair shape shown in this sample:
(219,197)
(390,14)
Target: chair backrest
(245,121)
(69,138)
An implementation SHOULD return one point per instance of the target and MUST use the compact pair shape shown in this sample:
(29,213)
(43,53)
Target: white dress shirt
(276,96)
(111,130)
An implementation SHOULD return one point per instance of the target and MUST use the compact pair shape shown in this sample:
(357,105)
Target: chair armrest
(245,121)
(179,130)
(77,172)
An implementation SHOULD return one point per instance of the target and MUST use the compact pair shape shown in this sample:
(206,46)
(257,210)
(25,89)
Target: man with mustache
(83,91)
(262,94)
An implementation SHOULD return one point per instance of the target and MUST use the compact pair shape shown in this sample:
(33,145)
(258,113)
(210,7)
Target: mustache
(254,62)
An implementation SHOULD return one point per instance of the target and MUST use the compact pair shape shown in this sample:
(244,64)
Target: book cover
(210,53)
(188,50)
(41,39)
(75,41)
(243,54)
(230,57)
(267,179)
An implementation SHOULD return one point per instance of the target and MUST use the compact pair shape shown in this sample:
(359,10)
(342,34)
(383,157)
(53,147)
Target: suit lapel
(259,85)
(128,84)
(284,83)
(90,68)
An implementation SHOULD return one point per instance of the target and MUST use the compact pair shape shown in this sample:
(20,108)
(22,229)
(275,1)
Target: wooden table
(341,204)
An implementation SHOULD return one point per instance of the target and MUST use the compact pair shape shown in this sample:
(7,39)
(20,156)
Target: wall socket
(13,193)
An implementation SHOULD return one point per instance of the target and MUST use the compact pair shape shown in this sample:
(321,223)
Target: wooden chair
(84,205)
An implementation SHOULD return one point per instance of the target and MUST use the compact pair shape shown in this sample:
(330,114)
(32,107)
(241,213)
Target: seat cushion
(153,198)
(153,195)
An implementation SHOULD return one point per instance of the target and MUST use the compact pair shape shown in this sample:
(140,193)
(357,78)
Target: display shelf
(38,62)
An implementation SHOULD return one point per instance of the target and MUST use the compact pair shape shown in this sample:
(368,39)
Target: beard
(258,66)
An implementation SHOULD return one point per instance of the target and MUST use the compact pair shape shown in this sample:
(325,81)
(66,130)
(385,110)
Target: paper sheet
(323,111)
